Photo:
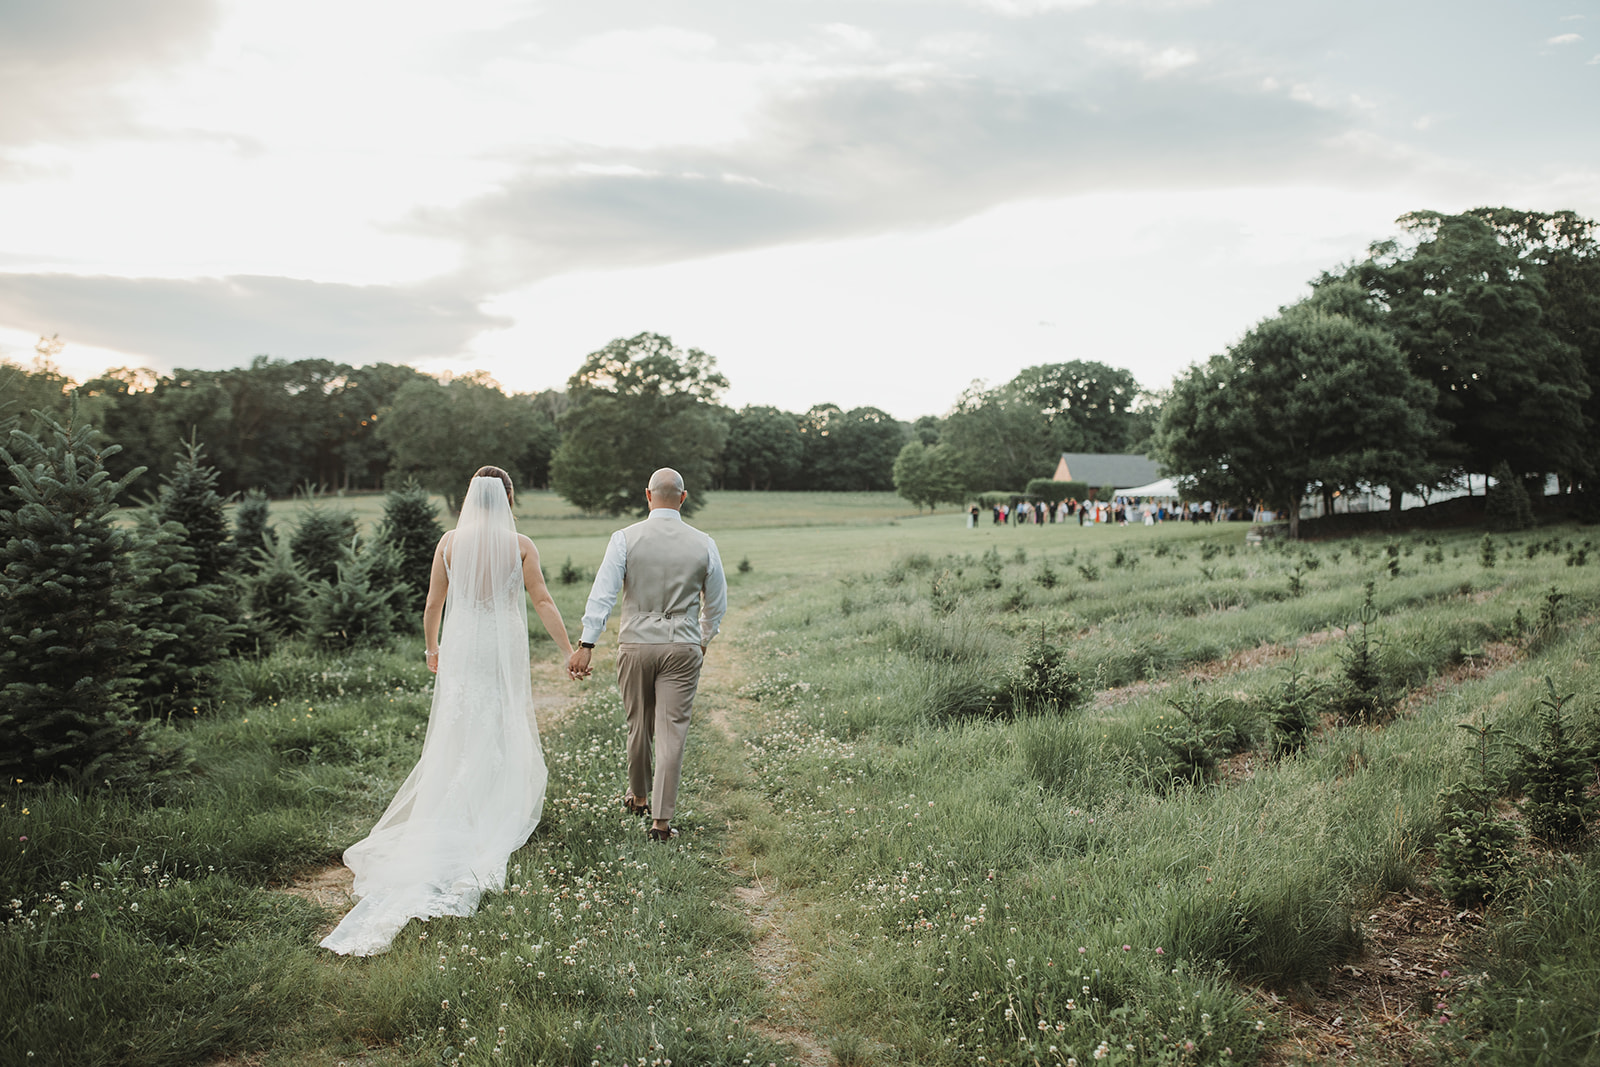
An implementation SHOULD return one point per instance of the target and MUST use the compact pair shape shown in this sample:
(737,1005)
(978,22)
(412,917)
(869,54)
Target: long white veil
(477,792)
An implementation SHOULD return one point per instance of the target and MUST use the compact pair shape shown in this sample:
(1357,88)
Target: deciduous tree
(1306,397)
(927,476)
(639,404)
(764,449)
(1470,315)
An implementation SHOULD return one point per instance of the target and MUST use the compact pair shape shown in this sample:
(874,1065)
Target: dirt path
(778,963)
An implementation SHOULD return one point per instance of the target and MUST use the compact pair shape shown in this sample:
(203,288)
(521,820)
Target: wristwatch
(585,644)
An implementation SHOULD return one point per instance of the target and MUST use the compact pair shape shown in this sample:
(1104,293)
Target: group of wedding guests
(1119,510)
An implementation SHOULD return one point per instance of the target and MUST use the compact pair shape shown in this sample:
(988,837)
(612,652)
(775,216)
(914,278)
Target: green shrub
(186,622)
(1506,505)
(1362,695)
(253,536)
(411,530)
(1557,774)
(569,574)
(1043,681)
(321,540)
(278,595)
(189,497)
(992,568)
(1291,712)
(70,613)
(1476,847)
(1053,492)
(1204,730)
(358,608)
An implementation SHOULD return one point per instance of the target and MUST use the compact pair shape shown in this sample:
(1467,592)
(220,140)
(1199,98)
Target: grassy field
(1024,796)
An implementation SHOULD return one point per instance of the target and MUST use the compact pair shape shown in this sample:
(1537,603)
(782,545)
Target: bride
(478,790)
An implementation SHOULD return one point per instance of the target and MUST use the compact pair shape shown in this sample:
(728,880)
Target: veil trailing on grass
(478,790)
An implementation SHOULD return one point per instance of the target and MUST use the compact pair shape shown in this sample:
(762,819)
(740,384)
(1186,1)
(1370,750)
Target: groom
(674,595)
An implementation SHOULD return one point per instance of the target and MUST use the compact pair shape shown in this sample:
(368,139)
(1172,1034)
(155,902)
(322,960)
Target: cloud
(1565,38)
(1153,61)
(867,155)
(62,62)
(217,322)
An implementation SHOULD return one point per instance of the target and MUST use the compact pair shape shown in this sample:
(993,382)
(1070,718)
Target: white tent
(1166,488)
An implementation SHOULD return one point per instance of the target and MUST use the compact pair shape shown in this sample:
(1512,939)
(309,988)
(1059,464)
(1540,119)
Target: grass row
(1039,889)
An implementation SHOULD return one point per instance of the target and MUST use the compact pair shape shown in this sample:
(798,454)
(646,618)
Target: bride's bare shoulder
(525,545)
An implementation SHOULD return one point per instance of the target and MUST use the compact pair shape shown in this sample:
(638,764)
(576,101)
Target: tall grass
(1021,889)
(955,872)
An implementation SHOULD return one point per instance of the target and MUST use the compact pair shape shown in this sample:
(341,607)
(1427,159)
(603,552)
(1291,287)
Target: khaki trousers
(658,684)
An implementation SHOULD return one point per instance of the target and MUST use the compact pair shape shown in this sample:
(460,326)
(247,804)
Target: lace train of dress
(477,791)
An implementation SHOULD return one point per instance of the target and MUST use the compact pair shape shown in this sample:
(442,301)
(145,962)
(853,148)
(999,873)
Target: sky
(859,202)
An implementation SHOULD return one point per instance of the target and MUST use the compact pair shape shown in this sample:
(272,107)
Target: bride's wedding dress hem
(477,791)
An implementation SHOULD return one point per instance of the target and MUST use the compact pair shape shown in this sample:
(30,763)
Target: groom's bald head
(666,489)
(666,482)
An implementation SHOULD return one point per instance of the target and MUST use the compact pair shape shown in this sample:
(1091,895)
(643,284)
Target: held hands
(578,664)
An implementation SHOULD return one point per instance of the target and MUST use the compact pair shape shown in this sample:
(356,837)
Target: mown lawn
(965,876)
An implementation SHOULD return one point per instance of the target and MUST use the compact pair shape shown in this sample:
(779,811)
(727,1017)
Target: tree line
(1469,346)
(638,403)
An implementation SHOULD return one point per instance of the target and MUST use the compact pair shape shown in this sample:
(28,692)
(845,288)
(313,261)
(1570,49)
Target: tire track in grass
(778,962)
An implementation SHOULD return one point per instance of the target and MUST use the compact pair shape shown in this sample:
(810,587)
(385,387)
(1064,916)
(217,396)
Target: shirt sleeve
(714,601)
(607,586)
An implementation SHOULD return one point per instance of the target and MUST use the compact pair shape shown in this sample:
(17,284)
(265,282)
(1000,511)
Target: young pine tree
(1506,505)
(189,623)
(278,595)
(1558,775)
(189,497)
(321,540)
(411,528)
(357,608)
(69,609)
(252,535)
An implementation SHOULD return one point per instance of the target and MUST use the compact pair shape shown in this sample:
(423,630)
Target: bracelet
(426,653)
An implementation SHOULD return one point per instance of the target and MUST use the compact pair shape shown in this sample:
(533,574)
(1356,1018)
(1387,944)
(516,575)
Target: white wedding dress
(478,790)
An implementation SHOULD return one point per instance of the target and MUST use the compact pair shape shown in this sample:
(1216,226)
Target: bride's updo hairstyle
(505,479)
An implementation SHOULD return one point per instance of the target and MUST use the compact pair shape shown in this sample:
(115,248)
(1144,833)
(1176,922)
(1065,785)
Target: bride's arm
(433,609)
(543,604)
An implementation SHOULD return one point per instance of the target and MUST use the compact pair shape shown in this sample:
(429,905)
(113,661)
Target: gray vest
(666,568)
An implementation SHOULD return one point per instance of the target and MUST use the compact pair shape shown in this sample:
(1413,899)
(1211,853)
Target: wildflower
(96,974)
(1127,948)
(1161,952)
